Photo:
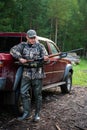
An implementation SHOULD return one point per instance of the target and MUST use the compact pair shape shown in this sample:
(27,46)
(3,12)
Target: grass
(80,73)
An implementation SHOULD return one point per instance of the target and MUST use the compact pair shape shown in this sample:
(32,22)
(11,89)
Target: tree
(60,12)
(76,36)
(6,9)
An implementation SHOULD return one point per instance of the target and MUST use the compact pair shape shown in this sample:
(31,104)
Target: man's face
(31,40)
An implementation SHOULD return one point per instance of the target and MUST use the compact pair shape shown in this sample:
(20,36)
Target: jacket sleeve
(16,51)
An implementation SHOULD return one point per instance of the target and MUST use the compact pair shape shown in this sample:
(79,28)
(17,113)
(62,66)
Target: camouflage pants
(36,85)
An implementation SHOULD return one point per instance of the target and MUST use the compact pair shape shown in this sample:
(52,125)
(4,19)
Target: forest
(63,21)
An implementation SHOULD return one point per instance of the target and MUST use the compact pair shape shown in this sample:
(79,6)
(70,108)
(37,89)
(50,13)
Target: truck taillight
(1,65)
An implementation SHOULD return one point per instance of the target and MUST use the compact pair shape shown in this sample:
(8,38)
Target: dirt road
(59,112)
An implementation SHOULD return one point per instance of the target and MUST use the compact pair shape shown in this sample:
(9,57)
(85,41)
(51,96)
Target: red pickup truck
(58,72)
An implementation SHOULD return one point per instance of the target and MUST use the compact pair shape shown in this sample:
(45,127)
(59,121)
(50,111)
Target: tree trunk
(51,28)
(56,30)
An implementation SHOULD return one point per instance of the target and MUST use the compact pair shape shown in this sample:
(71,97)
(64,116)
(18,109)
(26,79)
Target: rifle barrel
(75,50)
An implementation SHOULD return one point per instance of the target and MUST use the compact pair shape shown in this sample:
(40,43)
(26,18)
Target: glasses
(32,37)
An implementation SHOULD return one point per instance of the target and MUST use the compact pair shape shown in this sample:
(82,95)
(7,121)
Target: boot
(37,111)
(36,117)
(26,107)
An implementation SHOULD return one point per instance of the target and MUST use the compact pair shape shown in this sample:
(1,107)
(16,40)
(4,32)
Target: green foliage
(6,9)
(60,9)
(80,73)
(64,21)
(77,31)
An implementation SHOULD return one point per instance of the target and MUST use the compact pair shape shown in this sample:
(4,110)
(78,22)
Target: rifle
(35,63)
(64,54)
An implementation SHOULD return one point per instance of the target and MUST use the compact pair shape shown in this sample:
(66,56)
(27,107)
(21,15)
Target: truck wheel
(66,88)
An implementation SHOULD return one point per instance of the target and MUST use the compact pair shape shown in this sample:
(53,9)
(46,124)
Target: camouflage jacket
(30,52)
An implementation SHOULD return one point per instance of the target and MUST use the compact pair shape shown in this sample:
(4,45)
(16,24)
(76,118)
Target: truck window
(45,45)
(53,48)
(7,42)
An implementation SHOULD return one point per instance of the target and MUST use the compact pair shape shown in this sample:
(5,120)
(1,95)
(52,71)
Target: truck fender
(67,70)
(18,77)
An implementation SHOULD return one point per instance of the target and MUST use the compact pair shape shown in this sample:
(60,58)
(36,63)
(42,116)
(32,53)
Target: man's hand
(22,60)
(46,58)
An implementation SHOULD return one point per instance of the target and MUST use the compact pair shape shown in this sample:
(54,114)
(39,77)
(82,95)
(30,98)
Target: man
(32,76)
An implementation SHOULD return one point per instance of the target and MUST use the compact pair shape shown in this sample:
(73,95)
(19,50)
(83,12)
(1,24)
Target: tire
(66,88)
